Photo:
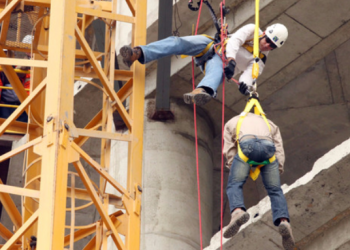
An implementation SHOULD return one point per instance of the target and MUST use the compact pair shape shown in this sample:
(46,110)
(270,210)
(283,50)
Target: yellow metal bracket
(137,203)
(64,135)
(50,135)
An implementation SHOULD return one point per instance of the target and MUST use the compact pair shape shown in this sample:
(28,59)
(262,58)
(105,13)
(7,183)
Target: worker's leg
(213,75)
(212,79)
(271,179)
(238,175)
(187,45)
(173,45)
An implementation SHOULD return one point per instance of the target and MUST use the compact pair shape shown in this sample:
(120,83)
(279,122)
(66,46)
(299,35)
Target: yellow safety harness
(248,47)
(206,48)
(253,102)
(251,50)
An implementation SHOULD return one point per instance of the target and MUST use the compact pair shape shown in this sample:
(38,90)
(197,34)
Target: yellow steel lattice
(57,183)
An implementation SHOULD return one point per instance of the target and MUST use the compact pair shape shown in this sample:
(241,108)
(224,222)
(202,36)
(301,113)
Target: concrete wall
(169,217)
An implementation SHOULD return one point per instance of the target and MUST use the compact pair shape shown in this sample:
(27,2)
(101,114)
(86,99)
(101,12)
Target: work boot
(287,237)
(238,218)
(198,96)
(130,55)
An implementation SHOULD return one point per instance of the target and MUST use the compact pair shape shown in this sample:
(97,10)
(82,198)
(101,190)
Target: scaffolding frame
(53,140)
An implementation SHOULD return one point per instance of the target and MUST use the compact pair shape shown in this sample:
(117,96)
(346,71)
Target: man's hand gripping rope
(229,71)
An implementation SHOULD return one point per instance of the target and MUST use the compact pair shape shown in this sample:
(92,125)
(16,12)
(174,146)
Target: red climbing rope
(224,62)
(223,58)
(196,141)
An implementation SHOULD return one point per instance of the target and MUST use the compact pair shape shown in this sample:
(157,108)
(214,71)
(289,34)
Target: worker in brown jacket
(259,143)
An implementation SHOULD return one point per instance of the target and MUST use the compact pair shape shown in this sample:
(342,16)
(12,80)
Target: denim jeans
(191,46)
(270,176)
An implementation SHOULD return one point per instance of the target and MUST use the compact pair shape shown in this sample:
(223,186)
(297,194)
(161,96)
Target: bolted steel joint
(48,119)
(66,126)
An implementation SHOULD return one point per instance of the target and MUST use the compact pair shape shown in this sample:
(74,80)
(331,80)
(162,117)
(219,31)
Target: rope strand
(223,57)
(223,37)
(196,140)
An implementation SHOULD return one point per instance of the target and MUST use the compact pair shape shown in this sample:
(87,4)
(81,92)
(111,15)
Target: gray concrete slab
(343,60)
(309,89)
(303,62)
(308,133)
(307,12)
(318,205)
(334,77)
(299,41)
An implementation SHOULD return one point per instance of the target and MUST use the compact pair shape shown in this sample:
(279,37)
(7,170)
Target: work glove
(230,69)
(243,88)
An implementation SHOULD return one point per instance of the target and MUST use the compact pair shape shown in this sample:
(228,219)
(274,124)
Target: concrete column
(170,206)
(169,201)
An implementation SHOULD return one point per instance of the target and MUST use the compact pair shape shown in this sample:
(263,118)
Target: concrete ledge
(318,204)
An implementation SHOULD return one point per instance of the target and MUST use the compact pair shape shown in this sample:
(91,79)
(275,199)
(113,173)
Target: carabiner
(190,2)
(254,95)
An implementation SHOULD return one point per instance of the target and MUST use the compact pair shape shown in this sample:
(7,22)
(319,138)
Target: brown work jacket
(252,125)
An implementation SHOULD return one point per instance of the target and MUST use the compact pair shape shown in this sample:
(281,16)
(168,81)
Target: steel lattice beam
(54,141)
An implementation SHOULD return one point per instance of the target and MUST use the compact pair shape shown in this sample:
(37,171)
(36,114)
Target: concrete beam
(318,205)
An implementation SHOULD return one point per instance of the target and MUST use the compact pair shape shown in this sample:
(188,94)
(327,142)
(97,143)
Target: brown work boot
(238,218)
(130,55)
(198,96)
(287,237)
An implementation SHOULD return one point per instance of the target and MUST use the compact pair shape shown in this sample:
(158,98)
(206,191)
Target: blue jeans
(191,46)
(270,176)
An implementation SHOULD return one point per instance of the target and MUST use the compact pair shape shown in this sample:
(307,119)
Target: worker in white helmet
(239,52)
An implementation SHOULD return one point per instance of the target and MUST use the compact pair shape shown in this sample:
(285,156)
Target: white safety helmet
(277,33)
(28,39)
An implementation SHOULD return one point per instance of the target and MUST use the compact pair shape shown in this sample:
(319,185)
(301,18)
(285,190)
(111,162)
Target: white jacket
(244,59)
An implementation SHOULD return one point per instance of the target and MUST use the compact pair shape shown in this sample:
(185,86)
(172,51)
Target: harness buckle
(200,61)
(253,95)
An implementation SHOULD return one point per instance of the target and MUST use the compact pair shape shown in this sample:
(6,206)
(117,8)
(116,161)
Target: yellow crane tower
(60,54)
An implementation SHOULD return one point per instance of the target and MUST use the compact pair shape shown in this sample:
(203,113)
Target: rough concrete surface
(319,207)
